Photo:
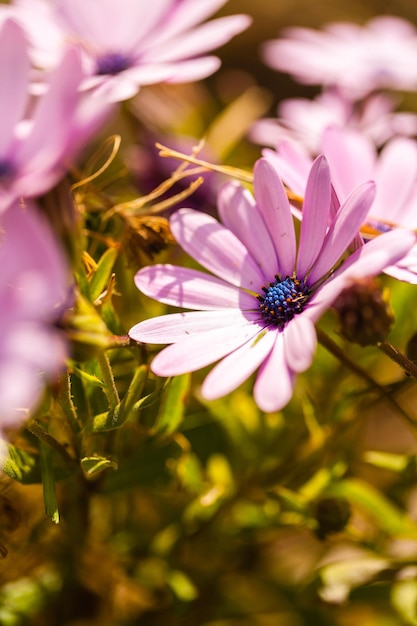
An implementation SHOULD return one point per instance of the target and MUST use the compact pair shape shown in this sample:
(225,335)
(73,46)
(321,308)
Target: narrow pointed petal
(177,326)
(197,351)
(351,156)
(239,213)
(316,209)
(370,260)
(216,248)
(344,229)
(300,342)
(191,289)
(54,110)
(274,384)
(199,40)
(236,367)
(396,179)
(14,80)
(275,209)
(291,163)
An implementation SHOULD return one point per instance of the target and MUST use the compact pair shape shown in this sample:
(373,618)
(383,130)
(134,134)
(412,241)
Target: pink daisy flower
(356,59)
(34,292)
(354,159)
(129,43)
(258,307)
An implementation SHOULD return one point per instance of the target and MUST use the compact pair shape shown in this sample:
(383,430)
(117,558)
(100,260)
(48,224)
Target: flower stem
(408,366)
(108,378)
(341,355)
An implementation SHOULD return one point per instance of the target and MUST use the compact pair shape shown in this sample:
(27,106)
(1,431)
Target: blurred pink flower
(259,307)
(356,59)
(304,120)
(129,43)
(354,159)
(39,139)
(34,292)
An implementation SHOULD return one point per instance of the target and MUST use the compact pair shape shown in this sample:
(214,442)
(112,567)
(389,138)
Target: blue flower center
(7,171)
(112,63)
(282,300)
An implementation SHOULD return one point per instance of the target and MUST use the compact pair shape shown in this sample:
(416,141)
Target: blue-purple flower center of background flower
(282,300)
(112,63)
(7,171)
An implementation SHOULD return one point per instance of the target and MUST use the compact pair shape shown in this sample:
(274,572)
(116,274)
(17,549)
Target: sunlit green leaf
(173,402)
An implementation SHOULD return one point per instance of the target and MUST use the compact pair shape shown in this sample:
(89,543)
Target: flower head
(356,59)
(128,43)
(38,140)
(258,307)
(34,292)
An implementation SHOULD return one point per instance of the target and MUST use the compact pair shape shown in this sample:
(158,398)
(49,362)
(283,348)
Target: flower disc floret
(282,300)
(112,63)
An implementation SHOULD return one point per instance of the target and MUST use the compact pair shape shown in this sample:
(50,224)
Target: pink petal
(292,164)
(275,209)
(300,341)
(193,69)
(177,326)
(396,178)
(216,248)
(14,81)
(351,157)
(197,351)
(199,40)
(239,213)
(237,366)
(316,209)
(274,384)
(191,289)
(344,228)
(186,14)
(370,260)
(52,120)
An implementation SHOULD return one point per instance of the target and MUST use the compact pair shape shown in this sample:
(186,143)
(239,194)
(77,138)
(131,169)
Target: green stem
(36,429)
(68,405)
(108,378)
(341,355)
(408,366)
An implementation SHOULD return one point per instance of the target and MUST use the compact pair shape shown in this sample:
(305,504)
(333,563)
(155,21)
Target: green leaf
(22,466)
(404,599)
(92,465)
(117,416)
(387,516)
(174,398)
(182,586)
(102,275)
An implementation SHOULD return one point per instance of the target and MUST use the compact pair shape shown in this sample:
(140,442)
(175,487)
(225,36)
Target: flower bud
(364,313)
(331,514)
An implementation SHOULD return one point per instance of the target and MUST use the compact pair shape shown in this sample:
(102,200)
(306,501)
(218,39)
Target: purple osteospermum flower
(356,59)
(259,308)
(38,140)
(129,43)
(34,288)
